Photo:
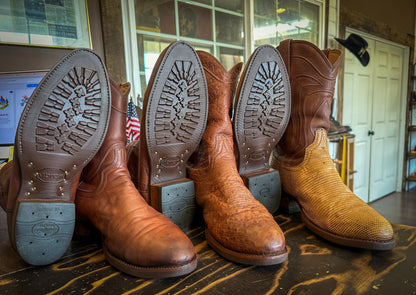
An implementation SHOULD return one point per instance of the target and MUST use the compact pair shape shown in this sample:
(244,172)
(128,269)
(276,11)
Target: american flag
(133,123)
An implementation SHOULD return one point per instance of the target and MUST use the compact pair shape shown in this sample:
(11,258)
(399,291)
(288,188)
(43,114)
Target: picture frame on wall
(49,23)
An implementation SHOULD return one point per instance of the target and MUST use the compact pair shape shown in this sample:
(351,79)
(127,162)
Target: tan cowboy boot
(328,206)
(175,108)
(61,128)
(238,227)
(260,118)
(137,239)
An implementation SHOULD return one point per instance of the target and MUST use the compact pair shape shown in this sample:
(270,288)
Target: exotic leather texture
(307,172)
(312,78)
(232,216)
(326,200)
(132,230)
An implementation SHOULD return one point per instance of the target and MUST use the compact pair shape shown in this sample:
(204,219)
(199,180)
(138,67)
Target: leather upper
(232,216)
(132,230)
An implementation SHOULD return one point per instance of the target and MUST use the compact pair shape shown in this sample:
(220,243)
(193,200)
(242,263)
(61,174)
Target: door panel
(358,80)
(372,102)
(385,123)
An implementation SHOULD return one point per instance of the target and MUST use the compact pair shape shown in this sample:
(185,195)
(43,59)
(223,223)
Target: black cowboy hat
(358,46)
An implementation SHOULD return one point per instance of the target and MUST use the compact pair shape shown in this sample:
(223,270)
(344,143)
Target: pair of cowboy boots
(178,110)
(75,122)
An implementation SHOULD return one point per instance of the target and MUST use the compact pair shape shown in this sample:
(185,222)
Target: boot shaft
(116,133)
(312,74)
(221,89)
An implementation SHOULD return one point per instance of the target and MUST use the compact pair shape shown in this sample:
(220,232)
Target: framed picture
(55,23)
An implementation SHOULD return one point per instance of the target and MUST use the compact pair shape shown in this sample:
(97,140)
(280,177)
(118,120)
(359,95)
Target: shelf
(411,177)
(412,128)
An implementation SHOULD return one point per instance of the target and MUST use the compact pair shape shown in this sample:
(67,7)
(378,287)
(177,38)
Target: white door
(386,119)
(372,105)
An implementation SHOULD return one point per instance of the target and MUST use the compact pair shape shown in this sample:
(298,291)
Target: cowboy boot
(328,207)
(175,108)
(238,227)
(5,176)
(61,128)
(137,239)
(260,118)
(132,159)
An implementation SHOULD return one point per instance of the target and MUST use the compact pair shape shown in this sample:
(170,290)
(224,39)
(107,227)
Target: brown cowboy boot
(237,226)
(60,130)
(137,239)
(260,118)
(175,108)
(328,206)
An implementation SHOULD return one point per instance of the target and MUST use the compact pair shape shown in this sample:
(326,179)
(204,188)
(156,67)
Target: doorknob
(370,132)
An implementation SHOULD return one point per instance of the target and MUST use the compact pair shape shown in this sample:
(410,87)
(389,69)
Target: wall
(28,58)
(391,20)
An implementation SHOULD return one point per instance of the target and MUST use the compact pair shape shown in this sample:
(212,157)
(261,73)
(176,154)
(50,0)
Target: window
(214,26)
(277,20)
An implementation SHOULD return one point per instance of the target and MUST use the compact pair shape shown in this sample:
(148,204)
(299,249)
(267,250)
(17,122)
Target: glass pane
(208,2)
(233,5)
(149,50)
(309,16)
(194,21)
(229,28)
(265,31)
(229,56)
(155,16)
(275,21)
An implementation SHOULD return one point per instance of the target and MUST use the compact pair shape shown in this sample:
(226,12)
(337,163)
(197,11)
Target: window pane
(195,21)
(229,56)
(149,49)
(275,21)
(229,28)
(155,17)
(208,2)
(233,5)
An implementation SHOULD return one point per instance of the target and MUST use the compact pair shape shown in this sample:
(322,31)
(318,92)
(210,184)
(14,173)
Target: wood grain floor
(314,266)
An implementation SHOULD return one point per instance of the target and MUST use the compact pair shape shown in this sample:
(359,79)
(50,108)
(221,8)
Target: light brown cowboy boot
(260,118)
(61,128)
(137,239)
(238,227)
(175,108)
(329,208)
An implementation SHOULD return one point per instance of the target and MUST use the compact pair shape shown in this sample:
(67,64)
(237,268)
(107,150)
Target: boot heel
(43,230)
(288,204)
(265,187)
(176,200)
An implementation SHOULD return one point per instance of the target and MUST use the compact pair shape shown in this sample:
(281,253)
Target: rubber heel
(265,186)
(43,230)
(176,200)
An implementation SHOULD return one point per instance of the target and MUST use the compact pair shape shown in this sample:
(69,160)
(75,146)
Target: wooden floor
(314,266)
(399,207)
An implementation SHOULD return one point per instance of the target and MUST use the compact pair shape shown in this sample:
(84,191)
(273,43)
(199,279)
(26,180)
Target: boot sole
(261,116)
(245,258)
(176,113)
(60,130)
(345,241)
(150,272)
